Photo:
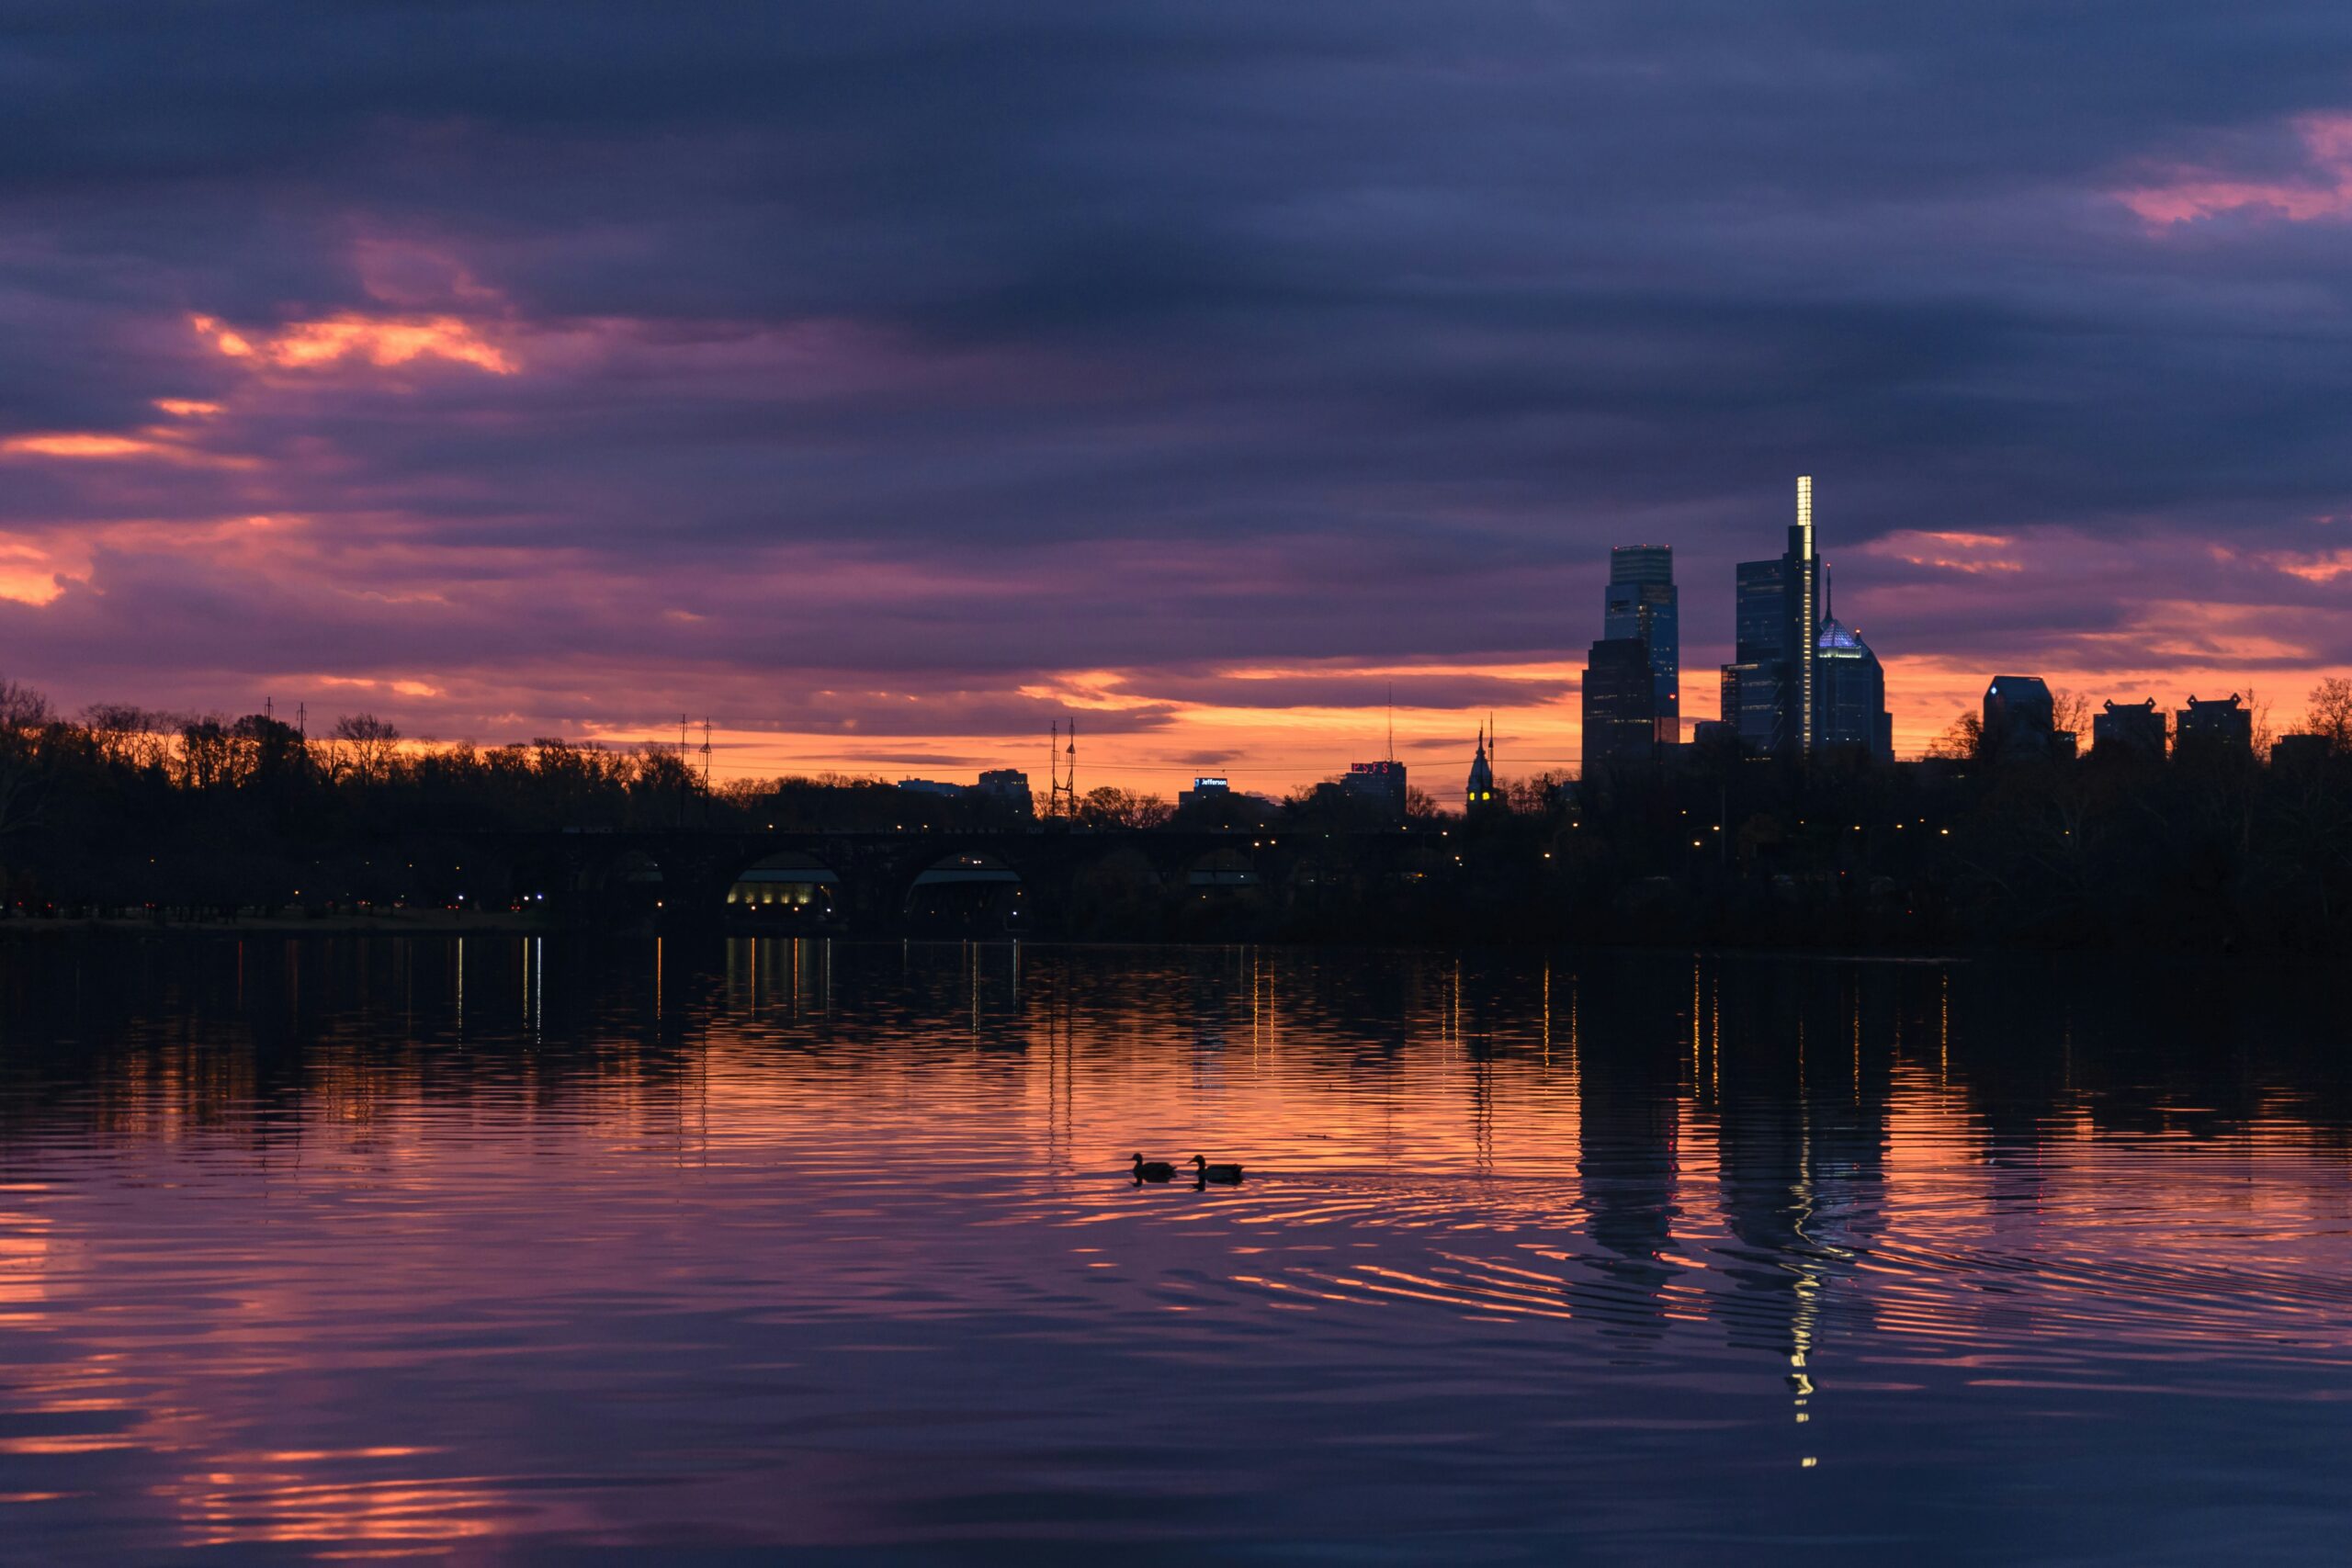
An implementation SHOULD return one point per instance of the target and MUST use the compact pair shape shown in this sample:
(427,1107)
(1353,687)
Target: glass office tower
(1642,604)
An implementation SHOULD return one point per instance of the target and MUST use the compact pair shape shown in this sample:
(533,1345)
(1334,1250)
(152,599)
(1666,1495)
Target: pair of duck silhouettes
(1203,1173)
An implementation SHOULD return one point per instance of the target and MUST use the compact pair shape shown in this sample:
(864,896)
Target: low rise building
(2020,722)
(2299,752)
(2129,728)
(1377,785)
(2221,726)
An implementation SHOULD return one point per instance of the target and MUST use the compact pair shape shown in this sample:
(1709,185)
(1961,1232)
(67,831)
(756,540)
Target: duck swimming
(1153,1169)
(1222,1175)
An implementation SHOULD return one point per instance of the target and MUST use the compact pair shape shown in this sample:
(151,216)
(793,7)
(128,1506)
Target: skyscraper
(1620,704)
(1752,685)
(1851,712)
(1804,610)
(1642,602)
(1770,689)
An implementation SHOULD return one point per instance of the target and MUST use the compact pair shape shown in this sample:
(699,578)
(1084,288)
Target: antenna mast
(1063,759)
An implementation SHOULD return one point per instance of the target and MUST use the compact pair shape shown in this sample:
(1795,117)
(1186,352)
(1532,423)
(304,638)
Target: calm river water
(541,1251)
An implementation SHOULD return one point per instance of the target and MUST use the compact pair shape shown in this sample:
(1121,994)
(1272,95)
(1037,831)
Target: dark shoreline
(2236,960)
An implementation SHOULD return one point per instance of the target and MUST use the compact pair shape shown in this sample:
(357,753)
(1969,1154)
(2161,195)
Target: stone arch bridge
(1041,881)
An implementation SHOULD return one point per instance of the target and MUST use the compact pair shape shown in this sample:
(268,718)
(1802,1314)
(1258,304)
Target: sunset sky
(886,382)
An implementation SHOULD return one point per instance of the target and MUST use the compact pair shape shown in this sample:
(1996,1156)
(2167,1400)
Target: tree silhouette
(25,718)
(1111,807)
(367,744)
(2330,714)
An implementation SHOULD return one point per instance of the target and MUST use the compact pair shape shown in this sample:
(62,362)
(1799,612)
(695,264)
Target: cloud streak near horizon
(886,382)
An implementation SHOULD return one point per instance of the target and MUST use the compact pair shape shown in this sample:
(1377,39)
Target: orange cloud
(2194,193)
(29,574)
(2325,566)
(383,341)
(154,443)
(1947,550)
(38,566)
(82,444)
(406,688)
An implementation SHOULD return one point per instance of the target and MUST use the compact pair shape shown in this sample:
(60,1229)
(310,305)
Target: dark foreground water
(535,1252)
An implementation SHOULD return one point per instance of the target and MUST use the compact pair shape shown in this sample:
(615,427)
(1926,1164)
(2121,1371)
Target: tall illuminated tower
(1771,691)
(1805,611)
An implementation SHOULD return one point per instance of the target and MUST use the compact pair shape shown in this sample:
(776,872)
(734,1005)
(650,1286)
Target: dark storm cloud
(909,347)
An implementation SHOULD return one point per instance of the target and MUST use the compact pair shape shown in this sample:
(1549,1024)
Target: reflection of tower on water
(1801,1161)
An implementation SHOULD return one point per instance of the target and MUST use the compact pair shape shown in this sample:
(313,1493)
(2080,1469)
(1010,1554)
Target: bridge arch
(627,885)
(970,891)
(632,868)
(787,890)
(1226,867)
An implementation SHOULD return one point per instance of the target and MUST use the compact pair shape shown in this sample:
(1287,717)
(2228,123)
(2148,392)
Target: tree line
(119,810)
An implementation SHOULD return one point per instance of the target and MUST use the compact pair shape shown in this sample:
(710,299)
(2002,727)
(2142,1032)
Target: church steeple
(1481,791)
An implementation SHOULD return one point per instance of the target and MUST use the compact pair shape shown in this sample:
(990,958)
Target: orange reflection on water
(729,1184)
(310,1498)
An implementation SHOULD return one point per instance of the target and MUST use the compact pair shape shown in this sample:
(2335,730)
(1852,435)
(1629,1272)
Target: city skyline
(1770,702)
(1640,610)
(1192,389)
